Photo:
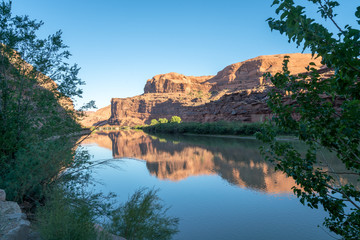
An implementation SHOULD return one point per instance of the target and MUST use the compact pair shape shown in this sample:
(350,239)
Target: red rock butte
(236,93)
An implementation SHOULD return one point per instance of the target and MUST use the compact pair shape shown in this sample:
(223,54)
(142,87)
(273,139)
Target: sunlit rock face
(236,161)
(249,74)
(236,93)
(175,82)
(98,117)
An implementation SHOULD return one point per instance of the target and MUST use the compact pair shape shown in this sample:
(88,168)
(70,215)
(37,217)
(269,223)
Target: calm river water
(220,188)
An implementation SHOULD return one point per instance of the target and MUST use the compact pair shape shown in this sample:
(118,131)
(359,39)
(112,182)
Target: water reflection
(238,161)
(176,158)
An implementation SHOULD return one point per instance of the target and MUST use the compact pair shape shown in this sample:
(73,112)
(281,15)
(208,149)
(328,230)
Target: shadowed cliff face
(237,161)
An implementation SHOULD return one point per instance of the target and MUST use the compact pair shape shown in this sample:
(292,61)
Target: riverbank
(234,129)
(281,138)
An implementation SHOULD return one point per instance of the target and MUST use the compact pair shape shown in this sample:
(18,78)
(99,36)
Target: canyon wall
(236,93)
(247,106)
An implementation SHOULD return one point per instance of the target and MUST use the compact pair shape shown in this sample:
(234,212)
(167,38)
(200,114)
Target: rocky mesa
(236,93)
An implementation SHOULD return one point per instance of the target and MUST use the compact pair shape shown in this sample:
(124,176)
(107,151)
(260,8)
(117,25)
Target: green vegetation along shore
(214,128)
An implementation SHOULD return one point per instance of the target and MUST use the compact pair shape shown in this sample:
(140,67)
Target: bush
(35,110)
(37,167)
(175,119)
(223,128)
(143,217)
(163,120)
(61,218)
(154,122)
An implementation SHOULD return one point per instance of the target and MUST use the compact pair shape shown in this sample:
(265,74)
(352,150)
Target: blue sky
(120,44)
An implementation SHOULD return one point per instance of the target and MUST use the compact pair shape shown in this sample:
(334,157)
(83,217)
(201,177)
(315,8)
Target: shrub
(163,120)
(154,122)
(224,128)
(143,217)
(61,219)
(175,119)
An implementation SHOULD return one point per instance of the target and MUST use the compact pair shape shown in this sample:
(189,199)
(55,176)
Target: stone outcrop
(236,93)
(249,74)
(175,82)
(247,106)
(95,118)
(2,195)
(13,223)
(238,76)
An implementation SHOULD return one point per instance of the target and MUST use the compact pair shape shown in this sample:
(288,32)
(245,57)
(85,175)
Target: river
(220,188)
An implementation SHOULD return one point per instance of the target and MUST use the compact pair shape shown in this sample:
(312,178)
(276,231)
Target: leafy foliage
(175,119)
(38,161)
(35,112)
(226,128)
(64,218)
(163,120)
(321,111)
(154,122)
(143,217)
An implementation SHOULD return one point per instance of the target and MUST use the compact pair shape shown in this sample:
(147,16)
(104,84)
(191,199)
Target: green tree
(163,120)
(175,119)
(324,114)
(37,85)
(154,122)
(38,161)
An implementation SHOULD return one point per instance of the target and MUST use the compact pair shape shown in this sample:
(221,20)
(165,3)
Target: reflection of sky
(211,208)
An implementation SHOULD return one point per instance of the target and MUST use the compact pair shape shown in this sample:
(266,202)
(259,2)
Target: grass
(61,218)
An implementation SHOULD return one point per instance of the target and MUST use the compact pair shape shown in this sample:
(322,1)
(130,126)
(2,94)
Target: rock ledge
(13,223)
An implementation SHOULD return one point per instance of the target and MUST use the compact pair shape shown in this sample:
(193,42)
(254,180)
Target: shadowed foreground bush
(143,217)
(76,216)
(64,218)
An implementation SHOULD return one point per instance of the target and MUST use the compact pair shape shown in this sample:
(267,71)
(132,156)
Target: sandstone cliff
(236,93)
(249,74)
(94,118)
(175,82)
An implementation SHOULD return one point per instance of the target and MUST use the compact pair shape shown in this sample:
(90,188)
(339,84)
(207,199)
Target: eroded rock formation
(175,82)
(236,93)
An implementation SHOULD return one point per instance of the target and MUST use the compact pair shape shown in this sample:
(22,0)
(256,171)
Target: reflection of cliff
(236,161)
(178,157)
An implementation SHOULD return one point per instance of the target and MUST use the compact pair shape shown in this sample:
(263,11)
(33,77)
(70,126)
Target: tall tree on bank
(36,90)
(325,113)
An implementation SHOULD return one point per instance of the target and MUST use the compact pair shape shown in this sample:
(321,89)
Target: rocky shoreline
(13,222)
